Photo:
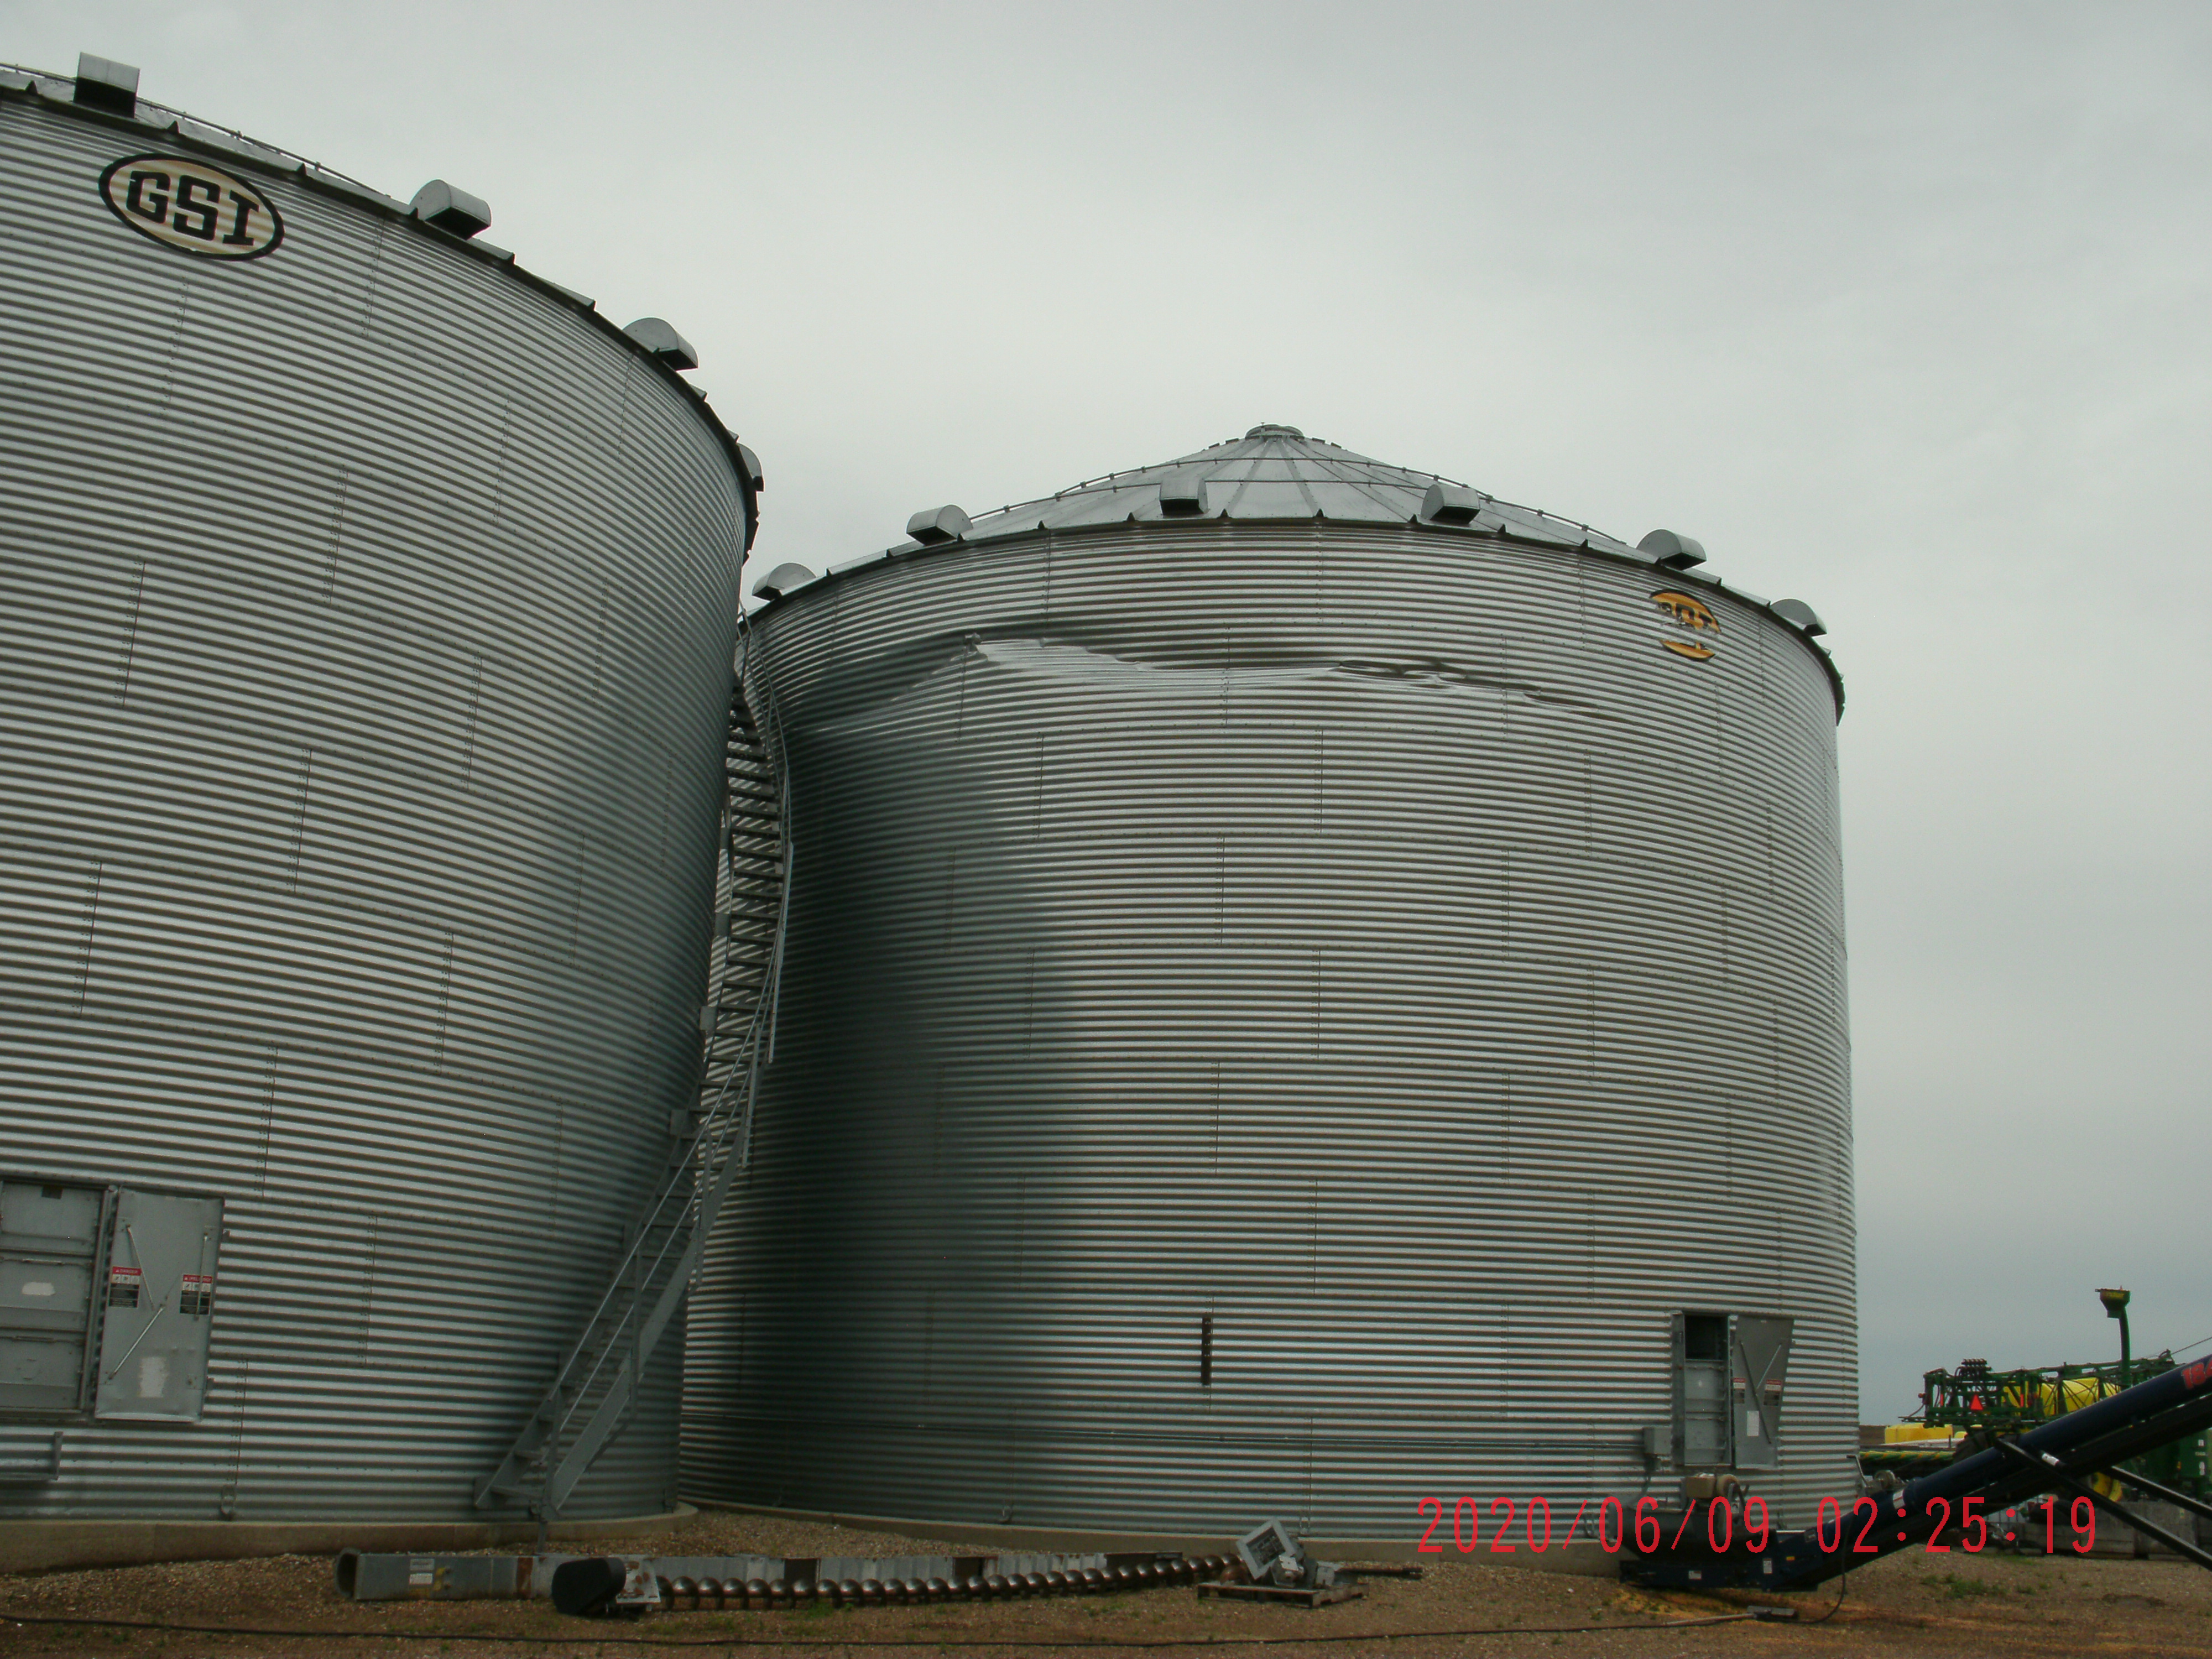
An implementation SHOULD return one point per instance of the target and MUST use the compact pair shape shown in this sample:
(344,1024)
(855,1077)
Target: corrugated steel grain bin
(1307,990)
(367,610)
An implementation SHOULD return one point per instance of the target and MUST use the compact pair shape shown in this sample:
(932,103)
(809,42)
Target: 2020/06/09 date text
(1840,1528)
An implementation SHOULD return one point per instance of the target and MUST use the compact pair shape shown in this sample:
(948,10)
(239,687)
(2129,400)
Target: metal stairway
(596,1387)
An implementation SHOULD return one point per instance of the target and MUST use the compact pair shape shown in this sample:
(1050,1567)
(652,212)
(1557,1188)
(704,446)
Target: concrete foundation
(46,1545)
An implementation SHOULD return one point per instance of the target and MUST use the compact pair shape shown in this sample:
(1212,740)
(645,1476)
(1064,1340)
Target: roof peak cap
(1272,429)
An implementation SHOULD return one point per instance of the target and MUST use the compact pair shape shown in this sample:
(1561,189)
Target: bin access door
(1758,1354)
(49,1249)
(159,1306)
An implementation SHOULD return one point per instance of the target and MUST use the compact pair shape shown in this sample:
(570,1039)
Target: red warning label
(123,1285)
(196,1293)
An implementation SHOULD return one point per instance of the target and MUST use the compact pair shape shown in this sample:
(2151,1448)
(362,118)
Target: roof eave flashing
(982,532)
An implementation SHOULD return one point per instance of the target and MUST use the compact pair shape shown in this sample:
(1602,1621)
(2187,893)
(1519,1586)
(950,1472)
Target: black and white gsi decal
(191,207)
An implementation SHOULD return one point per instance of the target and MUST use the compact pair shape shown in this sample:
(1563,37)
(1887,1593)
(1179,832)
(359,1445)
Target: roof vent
(1273,431)
(1799,616)
(104,85)
(1182,494)
(781,581)
(664,342)
(1450,504)
(454,211)
(750,462)
(934,525)
(1675,552)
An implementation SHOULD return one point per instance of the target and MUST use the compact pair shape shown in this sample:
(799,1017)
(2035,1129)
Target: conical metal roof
(1273,472)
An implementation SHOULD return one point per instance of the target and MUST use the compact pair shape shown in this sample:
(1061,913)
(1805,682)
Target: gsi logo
(1695,629)
(190,206)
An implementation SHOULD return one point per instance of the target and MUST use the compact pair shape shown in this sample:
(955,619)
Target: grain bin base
(1581,1559)
(46,1545)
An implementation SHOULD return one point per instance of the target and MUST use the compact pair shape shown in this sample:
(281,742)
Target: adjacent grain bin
(1307,990)
(366,625)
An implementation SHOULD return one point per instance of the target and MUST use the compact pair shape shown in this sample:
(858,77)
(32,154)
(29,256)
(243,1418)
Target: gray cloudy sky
(1901,308)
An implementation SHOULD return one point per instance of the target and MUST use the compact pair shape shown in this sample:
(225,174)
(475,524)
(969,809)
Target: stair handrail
(709,1156)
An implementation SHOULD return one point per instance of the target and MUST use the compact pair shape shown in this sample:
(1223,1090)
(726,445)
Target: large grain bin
(1307,990)
(366,626)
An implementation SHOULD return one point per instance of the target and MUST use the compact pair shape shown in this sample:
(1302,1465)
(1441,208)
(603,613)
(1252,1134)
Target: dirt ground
(1913,1603)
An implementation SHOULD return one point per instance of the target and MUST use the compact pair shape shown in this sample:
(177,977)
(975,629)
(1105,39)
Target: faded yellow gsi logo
(1696,631)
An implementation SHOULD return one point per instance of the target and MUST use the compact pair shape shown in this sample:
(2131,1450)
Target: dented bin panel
(1282,1007)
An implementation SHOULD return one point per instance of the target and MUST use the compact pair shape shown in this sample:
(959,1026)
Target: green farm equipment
(1979,1404)
(1965,1410)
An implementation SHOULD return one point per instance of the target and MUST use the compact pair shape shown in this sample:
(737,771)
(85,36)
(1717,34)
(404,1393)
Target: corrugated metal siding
(365,628)
(1369,938)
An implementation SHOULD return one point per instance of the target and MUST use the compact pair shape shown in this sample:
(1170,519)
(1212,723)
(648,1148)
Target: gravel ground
(1915,1604)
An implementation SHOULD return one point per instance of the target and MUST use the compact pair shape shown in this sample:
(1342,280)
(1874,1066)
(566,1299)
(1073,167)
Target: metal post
(2116,1307)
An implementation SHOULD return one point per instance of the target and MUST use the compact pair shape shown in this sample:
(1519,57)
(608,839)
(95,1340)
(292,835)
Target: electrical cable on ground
(590,1637)
(1842,1584)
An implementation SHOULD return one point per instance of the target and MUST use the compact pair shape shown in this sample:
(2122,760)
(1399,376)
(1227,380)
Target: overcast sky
(1901,309)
